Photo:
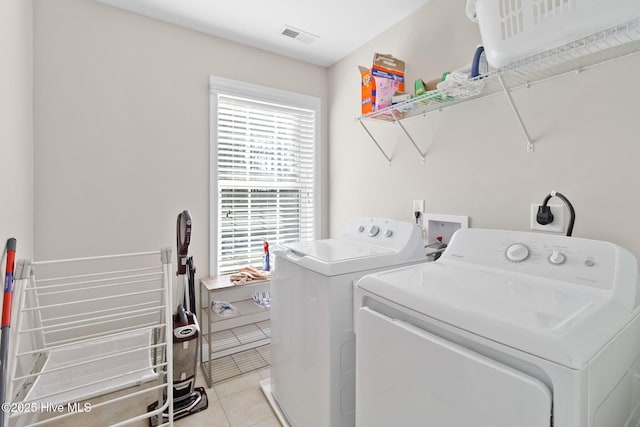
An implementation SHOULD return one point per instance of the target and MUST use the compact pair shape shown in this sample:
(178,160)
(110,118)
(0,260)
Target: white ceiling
(342,26)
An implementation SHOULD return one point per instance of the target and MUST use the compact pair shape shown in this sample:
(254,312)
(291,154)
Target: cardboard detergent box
(367,89)
(381,82)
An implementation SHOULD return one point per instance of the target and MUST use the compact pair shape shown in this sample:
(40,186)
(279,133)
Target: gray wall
(16,124)
(585,125)
(122,126)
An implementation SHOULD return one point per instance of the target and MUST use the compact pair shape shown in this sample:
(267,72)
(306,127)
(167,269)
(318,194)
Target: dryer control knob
(374,230)
(557,257)
(360,228)
(388,233)
(517,252)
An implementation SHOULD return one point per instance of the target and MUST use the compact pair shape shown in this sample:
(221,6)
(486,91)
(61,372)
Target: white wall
(121,122)
(16,125)
(122,126)
(585,125)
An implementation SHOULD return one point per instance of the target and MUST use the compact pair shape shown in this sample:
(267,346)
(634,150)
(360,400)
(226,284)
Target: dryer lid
(565,321)
(544,319)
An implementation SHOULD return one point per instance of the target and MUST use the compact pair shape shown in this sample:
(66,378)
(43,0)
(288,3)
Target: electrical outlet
(558,219)
(418,206)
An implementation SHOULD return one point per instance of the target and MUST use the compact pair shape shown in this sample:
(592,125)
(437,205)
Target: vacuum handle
(191,268)
(183,236)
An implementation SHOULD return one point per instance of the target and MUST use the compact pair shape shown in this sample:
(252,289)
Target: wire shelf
(232,338)
(236,364)
(605,46)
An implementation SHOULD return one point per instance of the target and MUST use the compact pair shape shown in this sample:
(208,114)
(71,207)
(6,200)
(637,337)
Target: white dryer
(312,340)
(507,329)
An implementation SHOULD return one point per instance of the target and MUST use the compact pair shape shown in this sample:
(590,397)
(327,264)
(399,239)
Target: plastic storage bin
(516,29)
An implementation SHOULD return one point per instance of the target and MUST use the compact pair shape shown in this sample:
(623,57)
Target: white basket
(516,29)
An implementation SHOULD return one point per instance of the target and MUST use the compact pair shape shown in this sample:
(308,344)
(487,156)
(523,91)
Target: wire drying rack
(602,47)
(91,340)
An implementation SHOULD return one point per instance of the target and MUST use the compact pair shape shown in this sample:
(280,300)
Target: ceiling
(336,27)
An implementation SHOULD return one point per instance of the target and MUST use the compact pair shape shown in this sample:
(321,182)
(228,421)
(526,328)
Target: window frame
(224,86)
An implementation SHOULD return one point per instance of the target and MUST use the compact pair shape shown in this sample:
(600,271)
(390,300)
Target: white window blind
(265,177)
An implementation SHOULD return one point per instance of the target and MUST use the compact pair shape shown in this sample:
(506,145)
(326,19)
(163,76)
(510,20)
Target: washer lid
(332,257)
(337,256)
(555,320)
(365,244)
(336,250)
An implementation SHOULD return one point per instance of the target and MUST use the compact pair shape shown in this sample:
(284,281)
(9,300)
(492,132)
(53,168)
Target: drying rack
(599,48)
(91,340)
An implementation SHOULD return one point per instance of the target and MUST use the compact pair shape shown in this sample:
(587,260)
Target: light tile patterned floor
(238,402)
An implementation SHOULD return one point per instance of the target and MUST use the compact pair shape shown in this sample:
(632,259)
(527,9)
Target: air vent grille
(290,33)
(295,33)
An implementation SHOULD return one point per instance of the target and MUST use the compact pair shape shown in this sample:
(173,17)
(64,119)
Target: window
(264,171)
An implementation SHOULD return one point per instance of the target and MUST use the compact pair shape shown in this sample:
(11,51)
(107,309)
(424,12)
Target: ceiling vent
(297,34)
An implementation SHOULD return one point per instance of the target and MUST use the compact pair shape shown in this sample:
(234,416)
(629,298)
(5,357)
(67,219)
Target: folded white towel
(459,84)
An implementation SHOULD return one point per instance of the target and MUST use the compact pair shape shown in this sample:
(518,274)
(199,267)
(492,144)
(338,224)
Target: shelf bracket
(376,142)
(530,147)
(422,155)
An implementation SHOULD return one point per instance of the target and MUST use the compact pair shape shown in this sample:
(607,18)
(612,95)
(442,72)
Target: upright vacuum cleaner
(187,398)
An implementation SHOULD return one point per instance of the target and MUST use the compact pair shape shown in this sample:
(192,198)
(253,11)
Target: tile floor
(233,402)
(238,402)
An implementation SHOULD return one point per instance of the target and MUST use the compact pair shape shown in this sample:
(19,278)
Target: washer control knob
(374,230)
(360,228)
(517,252)
(589,262)
(388,233)
(557,257)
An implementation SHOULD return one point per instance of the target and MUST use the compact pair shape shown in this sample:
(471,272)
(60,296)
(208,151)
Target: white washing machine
(312,340)
(507,329)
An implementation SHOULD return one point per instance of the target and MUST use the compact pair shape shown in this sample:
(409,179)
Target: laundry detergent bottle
(267,264)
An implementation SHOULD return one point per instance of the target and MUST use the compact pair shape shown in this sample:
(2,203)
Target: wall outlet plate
(418,206)
(556,226)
